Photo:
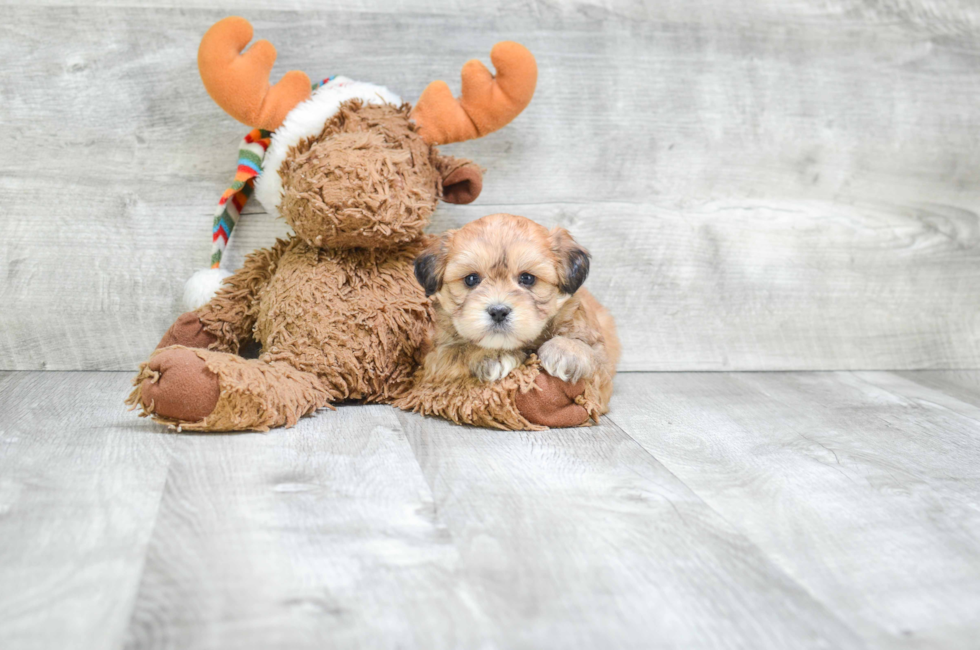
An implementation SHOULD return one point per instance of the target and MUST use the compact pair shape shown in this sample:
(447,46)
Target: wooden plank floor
(711,510)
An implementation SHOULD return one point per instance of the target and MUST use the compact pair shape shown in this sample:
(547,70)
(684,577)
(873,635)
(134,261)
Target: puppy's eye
(472,279)
(526,280)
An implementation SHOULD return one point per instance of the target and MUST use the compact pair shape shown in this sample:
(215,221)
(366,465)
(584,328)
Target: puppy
(505,287)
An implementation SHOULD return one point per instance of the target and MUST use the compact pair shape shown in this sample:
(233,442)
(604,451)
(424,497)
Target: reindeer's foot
(552,402)
(204,390)
(176,384)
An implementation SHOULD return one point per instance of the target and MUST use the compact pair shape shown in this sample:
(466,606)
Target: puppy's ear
(573,261)
(431,264)
(462,180)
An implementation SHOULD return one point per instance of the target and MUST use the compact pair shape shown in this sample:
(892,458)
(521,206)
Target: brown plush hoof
(554,404)
(184,390)
(188,331)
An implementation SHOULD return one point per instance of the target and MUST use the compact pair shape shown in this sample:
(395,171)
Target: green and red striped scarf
(250,154)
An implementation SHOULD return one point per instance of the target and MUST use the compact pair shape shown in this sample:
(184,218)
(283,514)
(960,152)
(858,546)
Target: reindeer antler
(487,103)
(239,83)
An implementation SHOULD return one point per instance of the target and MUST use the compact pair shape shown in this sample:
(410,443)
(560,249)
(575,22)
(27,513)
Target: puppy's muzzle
(498,313)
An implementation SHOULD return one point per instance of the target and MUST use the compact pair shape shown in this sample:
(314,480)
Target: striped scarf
(250,154)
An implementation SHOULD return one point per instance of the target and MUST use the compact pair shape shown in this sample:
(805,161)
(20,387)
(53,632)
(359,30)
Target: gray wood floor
(711,510)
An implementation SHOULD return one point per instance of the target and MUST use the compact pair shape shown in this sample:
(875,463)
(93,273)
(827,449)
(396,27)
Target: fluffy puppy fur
(505,287)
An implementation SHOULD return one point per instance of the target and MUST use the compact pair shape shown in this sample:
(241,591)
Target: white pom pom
(202,286)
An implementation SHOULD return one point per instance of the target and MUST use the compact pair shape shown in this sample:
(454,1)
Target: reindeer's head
(350,164)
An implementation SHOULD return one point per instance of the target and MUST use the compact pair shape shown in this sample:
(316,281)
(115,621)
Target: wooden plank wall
(764,185)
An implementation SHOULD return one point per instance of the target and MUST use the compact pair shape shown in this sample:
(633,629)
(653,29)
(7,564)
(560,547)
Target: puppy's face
(502,278)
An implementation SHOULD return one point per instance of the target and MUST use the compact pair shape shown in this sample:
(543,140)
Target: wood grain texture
(324,535)
(784,510)
(941,16)
(863,487)
(963,385)
(79,492)
(578,538)
(770,185)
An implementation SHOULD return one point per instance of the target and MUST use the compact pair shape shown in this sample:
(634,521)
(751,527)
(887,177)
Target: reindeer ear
(573,261)
(462,180)
(431,264)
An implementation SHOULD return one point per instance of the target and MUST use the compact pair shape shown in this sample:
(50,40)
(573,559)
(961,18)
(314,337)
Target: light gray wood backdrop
(764,185)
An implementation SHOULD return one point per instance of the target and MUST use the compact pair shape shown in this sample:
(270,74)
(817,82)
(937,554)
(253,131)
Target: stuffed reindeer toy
(355,172)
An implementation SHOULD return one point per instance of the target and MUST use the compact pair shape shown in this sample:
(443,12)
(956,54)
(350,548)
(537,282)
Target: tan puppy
(505,287)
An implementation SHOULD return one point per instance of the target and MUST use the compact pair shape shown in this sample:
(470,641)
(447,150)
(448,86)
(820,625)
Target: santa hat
(260,155)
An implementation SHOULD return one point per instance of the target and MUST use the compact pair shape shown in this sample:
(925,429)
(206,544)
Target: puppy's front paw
(567,359)
(494,368)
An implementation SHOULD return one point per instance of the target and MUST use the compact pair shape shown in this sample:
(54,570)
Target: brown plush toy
(355,172)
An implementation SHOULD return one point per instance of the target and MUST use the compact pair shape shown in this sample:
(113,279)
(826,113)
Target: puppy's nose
(498,313)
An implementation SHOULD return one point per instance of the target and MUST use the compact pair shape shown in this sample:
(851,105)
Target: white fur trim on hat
(307,120)
(202,286)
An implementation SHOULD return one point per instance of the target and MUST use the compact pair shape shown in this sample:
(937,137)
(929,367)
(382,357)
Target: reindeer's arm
(230,316)
(471,401)
(226,321)
(526,399)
